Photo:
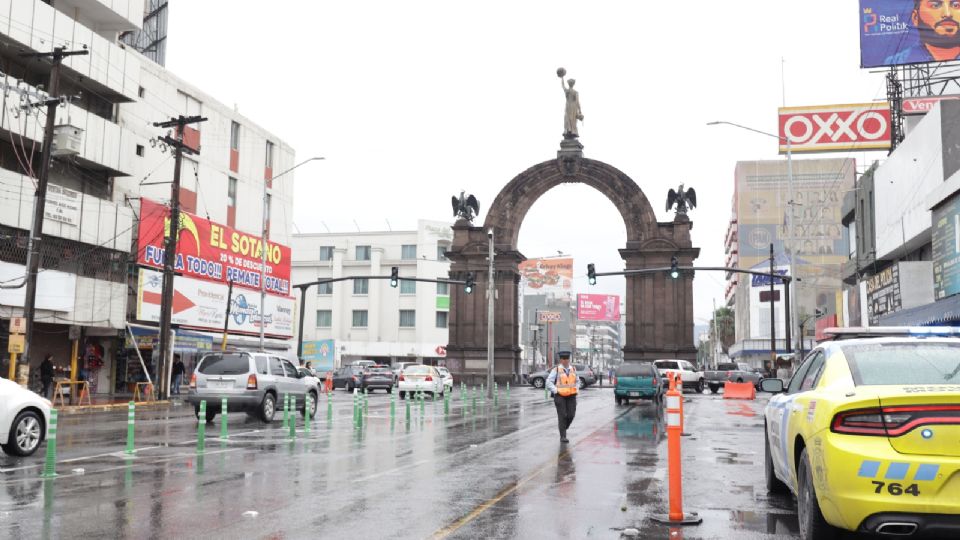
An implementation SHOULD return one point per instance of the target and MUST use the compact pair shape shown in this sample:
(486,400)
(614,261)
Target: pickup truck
(688,373)
(733,372)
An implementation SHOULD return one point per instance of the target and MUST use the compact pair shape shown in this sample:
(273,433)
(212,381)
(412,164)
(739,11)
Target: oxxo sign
(835,128)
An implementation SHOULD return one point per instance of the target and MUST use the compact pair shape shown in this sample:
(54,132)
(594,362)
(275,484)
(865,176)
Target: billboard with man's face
(896,32)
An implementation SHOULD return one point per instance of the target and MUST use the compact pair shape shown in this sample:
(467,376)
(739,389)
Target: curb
(87,409)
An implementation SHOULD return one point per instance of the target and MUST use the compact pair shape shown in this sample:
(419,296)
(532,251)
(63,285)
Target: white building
(94,194)
(366,318)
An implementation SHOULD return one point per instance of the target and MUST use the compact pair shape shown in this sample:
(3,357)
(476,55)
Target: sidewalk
(110,403)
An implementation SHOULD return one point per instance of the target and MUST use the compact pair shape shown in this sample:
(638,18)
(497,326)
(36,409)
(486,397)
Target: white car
(420,378)
(24,417)
(688,373)
(447,379)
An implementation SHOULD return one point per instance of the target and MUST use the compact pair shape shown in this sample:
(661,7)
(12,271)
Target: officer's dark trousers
(566,410)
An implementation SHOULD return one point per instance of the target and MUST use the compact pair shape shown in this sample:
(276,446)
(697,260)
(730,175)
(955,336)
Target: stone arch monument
(659,310)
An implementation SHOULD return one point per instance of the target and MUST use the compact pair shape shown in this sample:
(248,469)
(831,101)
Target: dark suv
(347,377)
(377,377)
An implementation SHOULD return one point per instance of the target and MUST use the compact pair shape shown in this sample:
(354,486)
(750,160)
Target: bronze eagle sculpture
(465,206)
(684,200)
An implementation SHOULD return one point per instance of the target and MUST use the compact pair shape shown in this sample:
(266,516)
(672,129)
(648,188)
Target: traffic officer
(562,383)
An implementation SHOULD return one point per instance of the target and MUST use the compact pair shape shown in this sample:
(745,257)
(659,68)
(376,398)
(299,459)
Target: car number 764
(894,488)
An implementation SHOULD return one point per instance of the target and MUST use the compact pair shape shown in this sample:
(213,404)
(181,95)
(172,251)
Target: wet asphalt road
(501,473)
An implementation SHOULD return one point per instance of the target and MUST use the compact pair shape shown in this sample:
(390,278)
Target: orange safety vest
(566,384)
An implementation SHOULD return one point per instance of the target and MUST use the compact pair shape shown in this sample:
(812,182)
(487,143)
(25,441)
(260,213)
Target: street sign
(73,333)
(548,316)
(16,344)
(18,325)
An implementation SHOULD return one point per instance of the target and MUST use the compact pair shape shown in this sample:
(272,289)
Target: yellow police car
(866,433)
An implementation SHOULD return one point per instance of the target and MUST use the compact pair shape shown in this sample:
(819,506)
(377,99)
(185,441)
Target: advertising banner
(62,205)
(883,293)
(211,251)
(552,276)
(835,128)
(897,32)
(598,307)
(203,304)
(764,281)
(922,105)
(320,354)
(549,317)
(946,249)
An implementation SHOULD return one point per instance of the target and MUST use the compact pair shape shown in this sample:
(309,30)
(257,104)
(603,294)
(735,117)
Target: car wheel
(403,394)
(313,406)
(618,400)
(25,434)
(268,407)
(774,485)
(812,524)
(538,382)
(196,411)
(390,390)
(349,388)
(714,389)
(739,379)
(211,414)
(581,383)
(700,386)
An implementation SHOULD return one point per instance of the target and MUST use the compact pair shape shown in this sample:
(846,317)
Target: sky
(412,101)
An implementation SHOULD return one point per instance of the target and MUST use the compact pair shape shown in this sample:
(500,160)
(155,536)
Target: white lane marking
(392,471)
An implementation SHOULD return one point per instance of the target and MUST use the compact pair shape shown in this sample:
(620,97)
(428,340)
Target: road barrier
(202,427)
(223,419)
(676,516)
(329,409)
(408,400)
(286,410)
(307,409)
(393,406)
(508,390)
(293,416)
(50,464)
(131,407)
(733,390)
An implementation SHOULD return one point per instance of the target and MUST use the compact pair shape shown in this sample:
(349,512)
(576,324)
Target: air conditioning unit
(66,140)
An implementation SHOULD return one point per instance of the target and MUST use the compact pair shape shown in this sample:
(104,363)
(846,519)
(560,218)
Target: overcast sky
(412,101)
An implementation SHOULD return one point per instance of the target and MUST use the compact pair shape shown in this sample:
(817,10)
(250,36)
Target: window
(291,371)
(232,191)
(408,318)
(141,92)
(441,252)
(408,287)
(224,364)
(443,289)
(326,253)
(234,136)
(442,318)
(262,365)
(800,373)
(851,233)
(276,367)
(363,253)
(361,286)
(140,150)
(359,318)
(325,288)
(907,362)
(268,160)
(813,374)
(324,318)
(408,252)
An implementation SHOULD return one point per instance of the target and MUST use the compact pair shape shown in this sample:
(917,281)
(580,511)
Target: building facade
(360,319)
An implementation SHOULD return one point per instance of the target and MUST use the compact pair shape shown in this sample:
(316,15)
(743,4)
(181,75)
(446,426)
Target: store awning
(185,342)
(944,312)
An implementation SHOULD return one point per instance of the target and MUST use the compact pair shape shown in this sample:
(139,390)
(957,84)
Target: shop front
(143,354)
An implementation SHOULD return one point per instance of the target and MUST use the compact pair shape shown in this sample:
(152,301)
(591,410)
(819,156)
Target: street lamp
(491,293)
(263,245)
(788,246)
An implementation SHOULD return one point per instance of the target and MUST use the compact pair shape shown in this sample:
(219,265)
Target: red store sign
(835,128)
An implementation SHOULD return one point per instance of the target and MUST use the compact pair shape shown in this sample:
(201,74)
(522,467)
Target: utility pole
(491,292)
(716,336)
(40,198)
(773,313)
(170,248)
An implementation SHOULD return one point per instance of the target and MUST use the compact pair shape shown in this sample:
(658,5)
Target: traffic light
(471,283)
(394,277)
(591,274)
(674,271)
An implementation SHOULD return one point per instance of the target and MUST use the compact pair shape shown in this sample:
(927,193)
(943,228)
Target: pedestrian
(562,383)
(176,374)
(46,374)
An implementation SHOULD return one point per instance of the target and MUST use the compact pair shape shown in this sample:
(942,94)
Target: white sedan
(24,417)
(420,378)
(447,379)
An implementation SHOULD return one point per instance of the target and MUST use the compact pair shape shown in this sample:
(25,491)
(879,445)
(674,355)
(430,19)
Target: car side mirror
(774,386)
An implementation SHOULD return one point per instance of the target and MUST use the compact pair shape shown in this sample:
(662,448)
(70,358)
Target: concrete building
(97,181)
(366,318)
(819,241)
(542,341)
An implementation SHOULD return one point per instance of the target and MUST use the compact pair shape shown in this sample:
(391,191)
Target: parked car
(374,378)
(637,380)
(363,363)
(311,377)
(398,369)
(585,374)
(688,373)
(347,378)
(252,382)
(731,371)
(420,378)
(447,379)
(24,417)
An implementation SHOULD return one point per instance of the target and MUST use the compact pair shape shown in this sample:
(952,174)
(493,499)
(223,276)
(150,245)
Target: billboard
(598,307)
(913,106)
(835,128)
(211,251)
(946,249)
(553,276)
(203,304)
(883,293)
(320,354)
(897,32)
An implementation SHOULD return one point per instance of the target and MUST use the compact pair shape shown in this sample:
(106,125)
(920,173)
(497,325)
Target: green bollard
(130,427)
(286,411)
(223,419)
(409,398)
(293,417)
(496,395)
(474,400)
(393,406)
(307,406)
(423,404)
(202,427)
(50,464)
(446,404)
(366,403)
(329,409)
(508,390)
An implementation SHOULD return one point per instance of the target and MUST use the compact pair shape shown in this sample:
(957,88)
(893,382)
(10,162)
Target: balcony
(105,15)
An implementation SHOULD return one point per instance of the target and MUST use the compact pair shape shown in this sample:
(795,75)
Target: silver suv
(252,382)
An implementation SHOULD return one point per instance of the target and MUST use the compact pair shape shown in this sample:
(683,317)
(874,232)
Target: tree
(725,328)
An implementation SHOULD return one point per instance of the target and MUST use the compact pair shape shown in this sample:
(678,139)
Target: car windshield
(727,367)
(443,371)
(913,362)
(417,370)
(635,370)
(667,364)
(224,364)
